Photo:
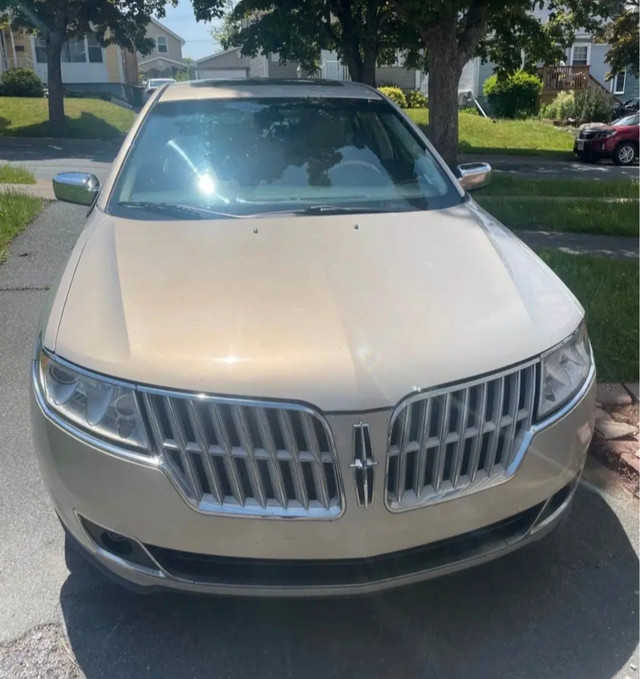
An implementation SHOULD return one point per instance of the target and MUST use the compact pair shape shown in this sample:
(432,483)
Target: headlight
(564,370)
(605,134)
(103,408)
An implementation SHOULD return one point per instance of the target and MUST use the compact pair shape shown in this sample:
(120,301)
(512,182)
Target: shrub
(416,99)
(561,108)
(86,94)
(21,82)
(470,110)
(395,94)
(593,105)
(514,96)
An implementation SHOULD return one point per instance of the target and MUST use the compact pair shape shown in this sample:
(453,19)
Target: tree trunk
(368,75)
(54,81)
(444,77)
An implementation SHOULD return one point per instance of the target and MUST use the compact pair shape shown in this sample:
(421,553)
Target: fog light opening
(116,544)
(119,545)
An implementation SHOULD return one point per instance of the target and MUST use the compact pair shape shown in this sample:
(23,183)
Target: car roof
(265,88)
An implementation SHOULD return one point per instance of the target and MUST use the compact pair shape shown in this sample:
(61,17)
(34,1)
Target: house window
(19,48)
(94,49)
(41,50)
(580,55)
(74,51)
(619,82)
(161,43)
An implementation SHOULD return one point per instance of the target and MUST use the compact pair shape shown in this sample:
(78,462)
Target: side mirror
(76,187)
(474,176)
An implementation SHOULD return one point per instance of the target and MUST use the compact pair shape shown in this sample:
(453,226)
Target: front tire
(625,153)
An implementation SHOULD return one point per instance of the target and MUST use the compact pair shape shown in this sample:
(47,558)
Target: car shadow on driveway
(563,607)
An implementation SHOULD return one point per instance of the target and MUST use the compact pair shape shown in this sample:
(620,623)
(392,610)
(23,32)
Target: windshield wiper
(176,209)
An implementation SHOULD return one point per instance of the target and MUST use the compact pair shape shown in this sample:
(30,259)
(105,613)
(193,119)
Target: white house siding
(258,67)
(288,70)
(229,64)
(397,76)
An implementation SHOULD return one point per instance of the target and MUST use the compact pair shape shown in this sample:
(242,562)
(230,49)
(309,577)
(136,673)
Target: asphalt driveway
(565,607)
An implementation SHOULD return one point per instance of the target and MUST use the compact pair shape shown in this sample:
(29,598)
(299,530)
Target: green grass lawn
(16,212)
(608,290)
(574,216)
(9,174)
(86,119)
(519,137)
(506,184)
(573,205)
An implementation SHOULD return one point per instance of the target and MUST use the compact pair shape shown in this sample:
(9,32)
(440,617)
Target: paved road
(566,607)
(46,157)
(539,167)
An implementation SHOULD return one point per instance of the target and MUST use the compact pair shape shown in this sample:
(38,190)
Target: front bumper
(365,549)
(593,148)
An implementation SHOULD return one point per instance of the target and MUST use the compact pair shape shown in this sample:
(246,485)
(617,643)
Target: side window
(161,42)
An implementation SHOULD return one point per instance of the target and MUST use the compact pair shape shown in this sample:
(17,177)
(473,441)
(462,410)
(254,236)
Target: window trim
(614,82)
(166,44)
(573,51)
(37,42)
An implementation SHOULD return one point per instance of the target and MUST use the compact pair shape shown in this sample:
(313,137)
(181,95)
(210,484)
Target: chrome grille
(243,457)
(458,439)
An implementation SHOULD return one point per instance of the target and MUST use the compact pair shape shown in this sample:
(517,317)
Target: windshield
(627,120)
(241,158)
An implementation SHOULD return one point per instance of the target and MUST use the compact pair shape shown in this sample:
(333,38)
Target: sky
(181,20)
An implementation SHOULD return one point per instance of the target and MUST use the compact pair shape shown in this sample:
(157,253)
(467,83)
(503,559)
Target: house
(225,64)
(86,65)
(165,60)
(89,67)
(231,64)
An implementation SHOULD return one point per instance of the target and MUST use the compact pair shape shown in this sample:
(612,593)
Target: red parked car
(618,141)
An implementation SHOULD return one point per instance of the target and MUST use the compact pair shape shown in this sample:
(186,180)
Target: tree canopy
(439,36)
(623,35)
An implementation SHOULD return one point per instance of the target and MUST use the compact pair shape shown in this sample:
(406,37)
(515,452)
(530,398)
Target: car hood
(345,312)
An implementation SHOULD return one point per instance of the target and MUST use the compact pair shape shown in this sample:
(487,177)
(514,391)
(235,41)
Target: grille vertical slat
(319,478)
(463,417)
(222,435)
(514,397)
(245,457)
(467,437)
(423,452)
(276,475)
(181,441)
(210,470)
(244,434)
(442,442)
(496,419)
(481,420)
(286,427)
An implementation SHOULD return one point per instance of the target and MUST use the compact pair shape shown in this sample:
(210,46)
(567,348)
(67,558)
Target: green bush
(21,82)
(86,94)
(395,94)
(593,105)
(416,99)
(561,108)
(470,110)
(514,96)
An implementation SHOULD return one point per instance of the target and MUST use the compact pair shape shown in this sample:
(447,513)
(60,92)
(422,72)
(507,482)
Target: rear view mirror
(474,176)
(76,187)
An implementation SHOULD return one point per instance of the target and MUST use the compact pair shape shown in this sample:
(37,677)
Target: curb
(616,440)
(41,189)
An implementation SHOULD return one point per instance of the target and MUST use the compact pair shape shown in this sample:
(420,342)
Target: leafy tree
(623,35)
(454,31)
(362,32)
(439,36)
(121,22)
